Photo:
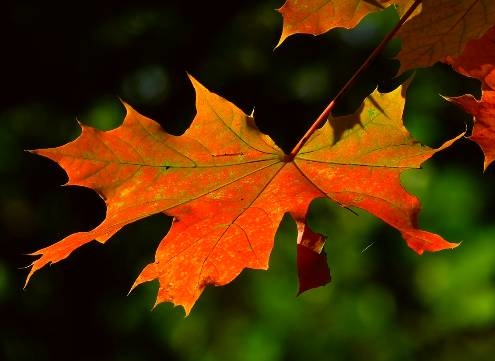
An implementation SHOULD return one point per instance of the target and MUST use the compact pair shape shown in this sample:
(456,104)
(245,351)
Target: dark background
(75,60)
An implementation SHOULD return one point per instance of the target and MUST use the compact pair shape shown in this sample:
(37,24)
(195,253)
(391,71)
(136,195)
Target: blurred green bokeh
(73,61)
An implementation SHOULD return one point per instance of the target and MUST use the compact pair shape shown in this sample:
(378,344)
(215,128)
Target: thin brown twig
(324,115)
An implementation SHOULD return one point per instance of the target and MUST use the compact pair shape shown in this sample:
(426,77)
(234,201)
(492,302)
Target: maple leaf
(442,29)
(227,187)
(437,29)
(484,121)
(478,61)
(319,16)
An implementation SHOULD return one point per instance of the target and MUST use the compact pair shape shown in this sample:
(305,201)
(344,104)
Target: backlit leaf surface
(442,29)
(478,61)
(227,186)
(319,16)
(483,112)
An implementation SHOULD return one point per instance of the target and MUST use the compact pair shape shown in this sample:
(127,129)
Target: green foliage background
(385,303)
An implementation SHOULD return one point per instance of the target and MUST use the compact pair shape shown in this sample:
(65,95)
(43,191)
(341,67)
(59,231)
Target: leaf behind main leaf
(319,16)
(478,61)
(442,29)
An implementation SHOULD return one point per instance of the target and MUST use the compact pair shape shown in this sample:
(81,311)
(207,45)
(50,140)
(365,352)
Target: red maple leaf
(478,61)
(483,112)
(227,186)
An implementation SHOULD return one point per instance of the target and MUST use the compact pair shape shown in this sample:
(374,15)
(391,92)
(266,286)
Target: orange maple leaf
(478,61)
(319,16)
(227,186)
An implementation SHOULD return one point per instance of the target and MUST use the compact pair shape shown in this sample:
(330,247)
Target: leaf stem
(324,115)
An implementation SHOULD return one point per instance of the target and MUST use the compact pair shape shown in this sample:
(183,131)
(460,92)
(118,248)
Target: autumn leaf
(478,61)
(484,126)
(312,268)
(227,186)
(442,29)
(319,16)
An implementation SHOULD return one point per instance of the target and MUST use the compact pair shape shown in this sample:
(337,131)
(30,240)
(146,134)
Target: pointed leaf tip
(421,241)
